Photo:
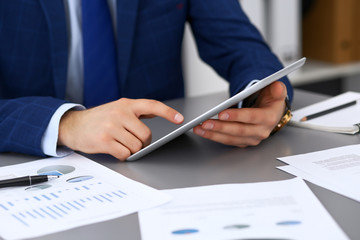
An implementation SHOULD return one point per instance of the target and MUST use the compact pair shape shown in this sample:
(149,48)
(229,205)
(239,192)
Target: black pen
(327,111)
(26,181)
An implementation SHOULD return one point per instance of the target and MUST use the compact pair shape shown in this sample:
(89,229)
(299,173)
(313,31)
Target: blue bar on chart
(51,206)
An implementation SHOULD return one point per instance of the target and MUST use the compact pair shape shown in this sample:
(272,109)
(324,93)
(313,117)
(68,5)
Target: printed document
(337,169)
(86,192)
(267,210)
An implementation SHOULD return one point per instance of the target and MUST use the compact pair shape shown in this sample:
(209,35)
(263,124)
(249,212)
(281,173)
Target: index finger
(150,108)
(247,115)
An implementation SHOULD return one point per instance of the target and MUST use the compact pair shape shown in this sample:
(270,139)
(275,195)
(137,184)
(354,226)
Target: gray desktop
(189,161)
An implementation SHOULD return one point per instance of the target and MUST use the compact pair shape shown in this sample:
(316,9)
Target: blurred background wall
(324,31)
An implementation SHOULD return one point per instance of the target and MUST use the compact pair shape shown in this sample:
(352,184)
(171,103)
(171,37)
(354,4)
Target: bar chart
(62,204)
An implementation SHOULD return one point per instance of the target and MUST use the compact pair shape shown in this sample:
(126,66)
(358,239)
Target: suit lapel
(55,16)
(127,11)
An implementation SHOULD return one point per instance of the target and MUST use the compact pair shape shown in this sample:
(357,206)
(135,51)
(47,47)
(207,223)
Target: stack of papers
(268,210)
(85,193)
(336,169)
(344,120)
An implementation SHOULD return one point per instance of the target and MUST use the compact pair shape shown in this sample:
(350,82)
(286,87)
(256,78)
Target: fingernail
(199,131)
(208,125)
(224,116)
(178,117)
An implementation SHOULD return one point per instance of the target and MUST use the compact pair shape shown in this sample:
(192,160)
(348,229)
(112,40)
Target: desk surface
(192,161)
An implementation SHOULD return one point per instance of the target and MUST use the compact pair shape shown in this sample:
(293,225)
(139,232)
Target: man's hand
(113,128)
(247,126)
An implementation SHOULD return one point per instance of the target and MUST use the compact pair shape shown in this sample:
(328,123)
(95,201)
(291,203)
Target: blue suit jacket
(34,54)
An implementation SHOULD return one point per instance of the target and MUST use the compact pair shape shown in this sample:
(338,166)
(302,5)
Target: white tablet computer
(220,107)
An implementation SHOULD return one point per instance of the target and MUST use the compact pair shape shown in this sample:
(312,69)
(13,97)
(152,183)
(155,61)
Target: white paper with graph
(277,210)
(85,193)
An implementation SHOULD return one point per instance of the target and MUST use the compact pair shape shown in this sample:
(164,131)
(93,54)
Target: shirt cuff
(247,86)
(50,137)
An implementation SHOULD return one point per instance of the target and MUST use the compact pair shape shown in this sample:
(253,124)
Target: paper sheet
(336,169)
(87,192)
(317,181)
(270,210)
(339,121)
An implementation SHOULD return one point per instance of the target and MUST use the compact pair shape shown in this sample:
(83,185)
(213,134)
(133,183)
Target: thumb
(272,93)
(278,90)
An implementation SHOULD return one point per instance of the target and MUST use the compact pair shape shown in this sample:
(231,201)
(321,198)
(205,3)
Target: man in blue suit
(43,81)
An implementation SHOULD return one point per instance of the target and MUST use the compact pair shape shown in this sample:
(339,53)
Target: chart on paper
(279,210)
(38,207)
(85,193)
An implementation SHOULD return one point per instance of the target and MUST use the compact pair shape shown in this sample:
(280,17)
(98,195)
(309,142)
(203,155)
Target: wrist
(49,141)
(65,128)
(285,118)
